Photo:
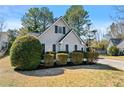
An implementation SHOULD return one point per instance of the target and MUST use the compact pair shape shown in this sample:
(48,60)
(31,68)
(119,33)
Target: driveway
(111,62)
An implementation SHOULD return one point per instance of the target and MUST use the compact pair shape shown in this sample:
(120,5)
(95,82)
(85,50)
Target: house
(121,46)
(4,38)
(60,37)
(119,43)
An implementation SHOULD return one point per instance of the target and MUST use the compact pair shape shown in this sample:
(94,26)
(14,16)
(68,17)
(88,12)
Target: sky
(98,14)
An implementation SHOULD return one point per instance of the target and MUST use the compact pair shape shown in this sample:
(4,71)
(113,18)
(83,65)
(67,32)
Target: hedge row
(75,57)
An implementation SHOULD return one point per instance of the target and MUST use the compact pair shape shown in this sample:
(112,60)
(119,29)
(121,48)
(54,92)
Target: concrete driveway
(113,63)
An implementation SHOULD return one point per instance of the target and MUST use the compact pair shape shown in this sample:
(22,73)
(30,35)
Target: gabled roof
(60,18)
(68,34)
(121,45)
(115,41)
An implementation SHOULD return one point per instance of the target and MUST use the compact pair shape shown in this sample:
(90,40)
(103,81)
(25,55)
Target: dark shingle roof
(64,36)
(116,41)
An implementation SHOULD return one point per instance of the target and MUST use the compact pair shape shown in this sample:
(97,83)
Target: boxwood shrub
(25,53)
(61,58)
(76,57)
(49,60)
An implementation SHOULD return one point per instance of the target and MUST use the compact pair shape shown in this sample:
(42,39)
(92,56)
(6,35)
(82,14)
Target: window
(56,29)
(43,48)
(67,48)
(60,29)
(63,30)
(75,47)
(82,49)
(54,48)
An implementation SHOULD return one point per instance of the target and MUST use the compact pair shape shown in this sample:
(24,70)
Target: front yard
(85,75)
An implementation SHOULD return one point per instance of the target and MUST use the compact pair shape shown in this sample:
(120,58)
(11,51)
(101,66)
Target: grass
(112,57)
(75,76)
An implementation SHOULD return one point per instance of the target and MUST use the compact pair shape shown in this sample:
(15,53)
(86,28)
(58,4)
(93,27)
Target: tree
(2,25)
(46,17)
(116,28)
(22,31)
(100,44)
(37,19)
(12,36)
(78,19)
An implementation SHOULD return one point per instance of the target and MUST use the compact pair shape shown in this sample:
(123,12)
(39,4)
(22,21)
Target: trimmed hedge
(61,58)
(77,57)
(25,53)
(51,52)
(49,60)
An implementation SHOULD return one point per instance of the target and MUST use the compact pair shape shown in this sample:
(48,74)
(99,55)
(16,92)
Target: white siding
(49,37)
(71,40)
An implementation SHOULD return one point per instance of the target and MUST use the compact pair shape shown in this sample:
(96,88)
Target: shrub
(61,58)
(96,55)
(49,60)
(51,52)
(77,57)
(25,53)
(92,57)
(113,51)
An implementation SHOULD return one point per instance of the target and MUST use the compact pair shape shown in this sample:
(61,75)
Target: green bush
(25,53)
(49,60)
(113,51)
(77,57)
(61,58)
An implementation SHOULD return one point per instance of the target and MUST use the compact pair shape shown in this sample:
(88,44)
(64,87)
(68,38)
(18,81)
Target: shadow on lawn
(43,72)
(94,66)
(60,70)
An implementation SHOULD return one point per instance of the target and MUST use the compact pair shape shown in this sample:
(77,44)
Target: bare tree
(2,26)
(116,29)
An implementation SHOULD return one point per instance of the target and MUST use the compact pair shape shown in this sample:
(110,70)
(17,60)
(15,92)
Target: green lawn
(86,75)
(112,57)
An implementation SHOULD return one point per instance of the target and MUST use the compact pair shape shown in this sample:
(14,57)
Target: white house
(60,37)
(119,43)
(4,38)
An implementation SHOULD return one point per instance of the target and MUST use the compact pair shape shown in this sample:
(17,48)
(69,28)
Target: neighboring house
(60,37)
(4,38)
(119,43)
(121,46)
